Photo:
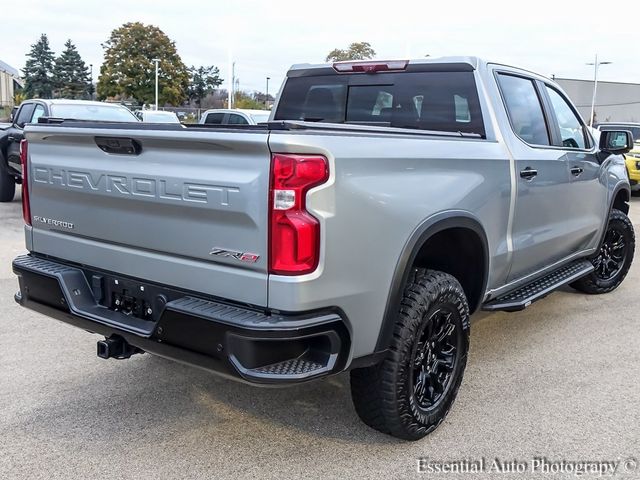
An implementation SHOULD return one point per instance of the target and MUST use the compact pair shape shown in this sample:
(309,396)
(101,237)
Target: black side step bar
(524,296)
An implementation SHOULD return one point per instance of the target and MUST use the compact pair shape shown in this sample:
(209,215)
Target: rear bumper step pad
(524,296)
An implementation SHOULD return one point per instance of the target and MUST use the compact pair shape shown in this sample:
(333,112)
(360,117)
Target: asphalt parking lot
(559,380)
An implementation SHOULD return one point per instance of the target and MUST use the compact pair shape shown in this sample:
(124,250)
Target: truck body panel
(371,206)
(162,214)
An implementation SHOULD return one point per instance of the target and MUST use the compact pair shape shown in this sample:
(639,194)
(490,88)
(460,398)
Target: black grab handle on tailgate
(119,146)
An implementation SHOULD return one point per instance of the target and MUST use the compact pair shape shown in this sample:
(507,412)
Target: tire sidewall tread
(392,408)
(594,285)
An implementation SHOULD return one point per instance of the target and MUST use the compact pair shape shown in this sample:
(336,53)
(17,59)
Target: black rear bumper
(235,341)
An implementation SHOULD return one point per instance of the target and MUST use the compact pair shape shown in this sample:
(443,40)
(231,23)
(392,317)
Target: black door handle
(576,171)
(528,173)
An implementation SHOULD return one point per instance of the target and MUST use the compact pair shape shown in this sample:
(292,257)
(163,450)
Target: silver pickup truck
(358,229)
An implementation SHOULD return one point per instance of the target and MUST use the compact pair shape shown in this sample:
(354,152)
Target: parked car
(5,125)
(29,112)
(221,116)
(386,203)
(632,158)
(157,116)
(632,161)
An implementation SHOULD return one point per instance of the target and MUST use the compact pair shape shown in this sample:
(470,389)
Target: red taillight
(370,67)
(24,160)
(294,234)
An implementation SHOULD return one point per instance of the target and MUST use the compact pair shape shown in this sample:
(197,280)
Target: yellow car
(632,159)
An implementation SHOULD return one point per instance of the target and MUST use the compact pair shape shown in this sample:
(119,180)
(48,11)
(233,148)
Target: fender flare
(427,229)
(621,186)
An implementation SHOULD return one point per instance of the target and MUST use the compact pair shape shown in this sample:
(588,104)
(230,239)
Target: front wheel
(613,260)
(410,392)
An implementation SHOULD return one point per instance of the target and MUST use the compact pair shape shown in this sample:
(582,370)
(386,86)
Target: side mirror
(616,142)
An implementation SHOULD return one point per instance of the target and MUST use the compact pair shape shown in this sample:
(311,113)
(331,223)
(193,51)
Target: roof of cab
(473,61)
(62,101)
(238,110)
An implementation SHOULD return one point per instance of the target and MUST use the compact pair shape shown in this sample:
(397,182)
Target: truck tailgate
(189,210)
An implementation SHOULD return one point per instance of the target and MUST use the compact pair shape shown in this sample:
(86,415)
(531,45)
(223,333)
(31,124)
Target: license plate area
(130,305)
(131,298)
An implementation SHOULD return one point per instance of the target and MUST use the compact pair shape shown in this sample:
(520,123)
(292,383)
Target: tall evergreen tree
(70,74)
(38,70)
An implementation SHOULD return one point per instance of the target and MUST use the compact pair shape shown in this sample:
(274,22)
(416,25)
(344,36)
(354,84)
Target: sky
(266,37)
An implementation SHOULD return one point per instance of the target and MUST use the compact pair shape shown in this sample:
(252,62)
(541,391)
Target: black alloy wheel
(612,261)
(434,357)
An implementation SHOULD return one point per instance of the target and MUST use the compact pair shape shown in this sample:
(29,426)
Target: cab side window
(571,129)
(524,108)
(37,113)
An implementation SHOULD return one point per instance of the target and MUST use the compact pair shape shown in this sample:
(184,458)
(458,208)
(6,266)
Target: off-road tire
(7,182)
(594,283)
(382,394)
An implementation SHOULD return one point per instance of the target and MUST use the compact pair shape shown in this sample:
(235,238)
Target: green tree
(263,98)
(19,97)
(242,99)
(355,51)
(70,74)
(202,82)
(38,70)
(128,70)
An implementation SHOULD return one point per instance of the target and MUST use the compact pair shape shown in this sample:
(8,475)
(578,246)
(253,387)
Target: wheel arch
(620,199)
(445,223)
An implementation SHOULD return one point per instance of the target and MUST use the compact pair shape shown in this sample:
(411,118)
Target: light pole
(91,82)
(596,65)
(232,98)
(156,60)
(266,95)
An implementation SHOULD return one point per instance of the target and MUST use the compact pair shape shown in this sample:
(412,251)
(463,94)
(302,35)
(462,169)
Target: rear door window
(524,108)
(437,101)
(572,131)
(214,118)
(235,119)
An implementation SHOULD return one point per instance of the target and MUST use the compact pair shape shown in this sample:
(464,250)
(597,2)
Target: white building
(9,80)
(615,101)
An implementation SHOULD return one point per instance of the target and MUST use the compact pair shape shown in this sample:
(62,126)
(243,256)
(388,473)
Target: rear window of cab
(436,101)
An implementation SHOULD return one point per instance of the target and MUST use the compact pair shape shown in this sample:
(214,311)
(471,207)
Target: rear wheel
(613,260)
(7,183)
(409,393)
